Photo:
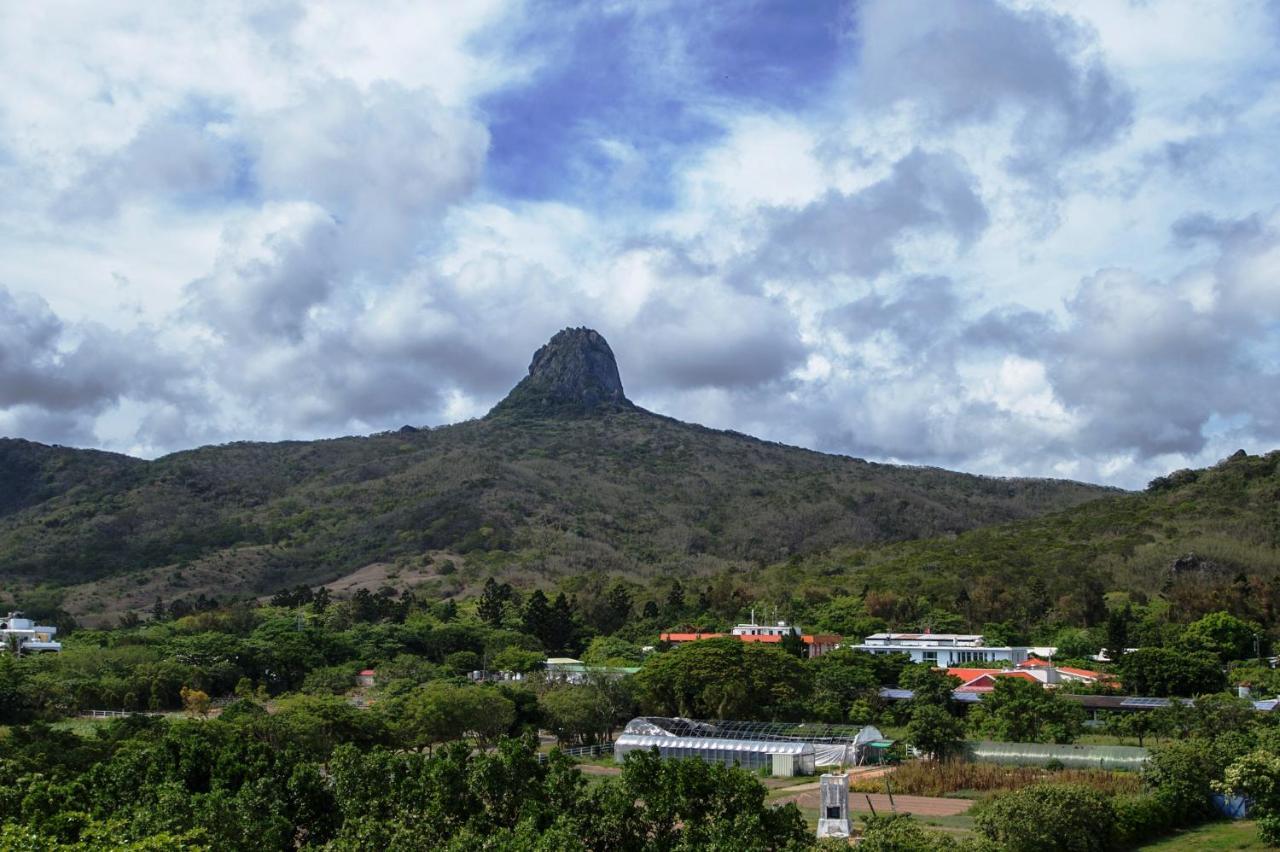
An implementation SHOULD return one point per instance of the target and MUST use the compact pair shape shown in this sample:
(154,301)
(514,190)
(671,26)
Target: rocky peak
(575,372)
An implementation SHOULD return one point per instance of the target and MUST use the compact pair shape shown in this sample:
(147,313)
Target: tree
(933,727)
(1048,817)
(493,600)
(1023,711)
(1161,672)
(577,714)
(724,679)
(612,651)
(840,679)
(537,619)
(650,610)
(675,600)
(1118,624)
(1256,776)
(1223,635)
(196,702)
(513,659)
(935,731)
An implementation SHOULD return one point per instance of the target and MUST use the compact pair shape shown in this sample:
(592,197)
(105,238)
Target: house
(366,677)
(945,650)
(25,636)
(770,634)
(1038,671)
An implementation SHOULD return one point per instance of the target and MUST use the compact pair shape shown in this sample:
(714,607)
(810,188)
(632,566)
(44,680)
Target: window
(930,656)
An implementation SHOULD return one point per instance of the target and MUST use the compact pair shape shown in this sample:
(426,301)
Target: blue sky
(1034,238)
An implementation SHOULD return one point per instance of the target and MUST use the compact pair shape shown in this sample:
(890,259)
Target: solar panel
(1145,702)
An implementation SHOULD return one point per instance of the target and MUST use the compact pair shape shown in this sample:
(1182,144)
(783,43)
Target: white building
(946,649)
(28,635)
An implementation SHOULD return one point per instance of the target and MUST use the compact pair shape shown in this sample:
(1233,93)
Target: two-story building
(24,635)
(945,650)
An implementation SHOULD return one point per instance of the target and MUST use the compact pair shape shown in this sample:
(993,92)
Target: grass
(1213,837)
(973,780)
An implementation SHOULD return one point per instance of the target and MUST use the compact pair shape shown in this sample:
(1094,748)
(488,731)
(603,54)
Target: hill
(564,477)
(1194,542)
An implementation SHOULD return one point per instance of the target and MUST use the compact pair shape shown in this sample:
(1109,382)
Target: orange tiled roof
(967,675)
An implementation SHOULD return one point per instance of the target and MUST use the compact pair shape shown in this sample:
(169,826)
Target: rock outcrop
(574,373)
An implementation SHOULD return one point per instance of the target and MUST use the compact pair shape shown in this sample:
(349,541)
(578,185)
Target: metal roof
(633,741)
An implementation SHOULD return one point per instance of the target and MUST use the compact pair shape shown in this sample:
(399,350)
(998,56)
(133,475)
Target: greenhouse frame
(781,748)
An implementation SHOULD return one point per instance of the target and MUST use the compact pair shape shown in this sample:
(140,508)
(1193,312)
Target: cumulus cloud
(1010,238)
(858,233)
(985,62)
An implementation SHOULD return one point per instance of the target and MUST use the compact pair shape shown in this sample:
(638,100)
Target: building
(946,650)
(1038,671)
(783,758)
(569,670)
(25,636)
(367,677)
(815,644)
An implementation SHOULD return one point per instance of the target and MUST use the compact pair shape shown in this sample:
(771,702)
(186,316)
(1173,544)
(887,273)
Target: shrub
(1046,817)
(1139,818)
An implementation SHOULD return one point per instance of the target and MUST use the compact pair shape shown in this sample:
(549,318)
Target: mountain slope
(1200,540)
(565,475)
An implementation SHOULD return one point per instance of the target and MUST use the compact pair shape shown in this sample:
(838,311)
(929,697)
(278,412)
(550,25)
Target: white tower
(833,816)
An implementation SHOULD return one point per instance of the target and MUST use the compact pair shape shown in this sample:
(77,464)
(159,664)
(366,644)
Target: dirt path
(808,796)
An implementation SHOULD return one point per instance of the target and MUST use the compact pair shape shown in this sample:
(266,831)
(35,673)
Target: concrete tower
(833,816)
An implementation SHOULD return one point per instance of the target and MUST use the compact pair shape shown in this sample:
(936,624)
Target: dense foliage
(226,784)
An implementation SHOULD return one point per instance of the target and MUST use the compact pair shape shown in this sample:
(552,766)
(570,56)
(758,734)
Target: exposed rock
(574,373)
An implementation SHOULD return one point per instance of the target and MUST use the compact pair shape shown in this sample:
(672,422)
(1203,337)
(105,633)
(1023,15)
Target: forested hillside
(1194,542)
(565,476)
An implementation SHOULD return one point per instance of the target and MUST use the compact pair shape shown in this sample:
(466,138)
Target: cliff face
(575,373)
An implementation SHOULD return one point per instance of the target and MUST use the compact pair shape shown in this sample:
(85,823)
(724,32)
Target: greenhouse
(783,748)
(777,758)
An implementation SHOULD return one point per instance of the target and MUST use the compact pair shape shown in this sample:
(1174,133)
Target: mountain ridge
(569,479)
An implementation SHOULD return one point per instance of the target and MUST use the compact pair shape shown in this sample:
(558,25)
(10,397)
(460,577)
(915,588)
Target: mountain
(564,477)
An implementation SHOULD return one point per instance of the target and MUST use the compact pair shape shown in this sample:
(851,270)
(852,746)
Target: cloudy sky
(1003,237)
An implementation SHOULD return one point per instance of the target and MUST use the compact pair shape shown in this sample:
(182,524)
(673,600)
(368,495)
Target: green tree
(1023,711)
(1223,635)
(1256,776)
(577,714)
(493,601)
(1163,672)
(724,679)
(934,731)
(1047,818)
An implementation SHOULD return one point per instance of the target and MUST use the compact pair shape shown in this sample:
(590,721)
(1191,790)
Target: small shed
(366,677)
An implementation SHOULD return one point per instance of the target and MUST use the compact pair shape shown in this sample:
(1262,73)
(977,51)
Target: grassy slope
(629,492)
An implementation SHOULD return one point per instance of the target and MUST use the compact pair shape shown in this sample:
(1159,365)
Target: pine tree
(538,619)
(564,630)
(675,599)
(650,609)
(492,600)
(158,611)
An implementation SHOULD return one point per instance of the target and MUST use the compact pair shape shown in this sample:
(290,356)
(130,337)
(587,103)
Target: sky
(1011,238)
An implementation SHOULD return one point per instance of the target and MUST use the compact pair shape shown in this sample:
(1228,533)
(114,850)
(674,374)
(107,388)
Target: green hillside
(564,477)
(1194,542)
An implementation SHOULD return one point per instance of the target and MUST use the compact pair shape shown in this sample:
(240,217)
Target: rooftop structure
(816,644)
(25,636)
(948,649)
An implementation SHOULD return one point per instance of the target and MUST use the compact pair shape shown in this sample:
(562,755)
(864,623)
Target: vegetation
(624,493)
(928,778)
